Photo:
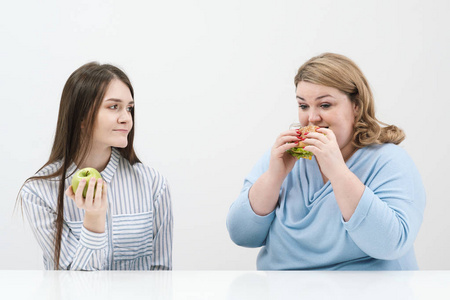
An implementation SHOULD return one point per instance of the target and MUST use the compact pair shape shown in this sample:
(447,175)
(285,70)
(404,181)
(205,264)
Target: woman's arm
(389,214)
(246,227)
(251,215)
(265,190)
(347,187)
(162,228)
(348,190)
(382,216)
(87,253)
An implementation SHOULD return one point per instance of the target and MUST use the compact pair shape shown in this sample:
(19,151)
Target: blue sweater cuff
(361,210)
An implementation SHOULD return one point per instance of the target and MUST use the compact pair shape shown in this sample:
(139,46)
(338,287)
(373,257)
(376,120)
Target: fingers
(79,200)
(327,133)
(104,194)
(90,192)
(280,150)
(96,195)
(287,139)
(69,192)
(289,136)
(318,141)
(309,136)
(97,201)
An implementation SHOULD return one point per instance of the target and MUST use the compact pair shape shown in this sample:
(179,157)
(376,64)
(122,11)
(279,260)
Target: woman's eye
(130,108)
(325,105)
(302,106)
(113,106)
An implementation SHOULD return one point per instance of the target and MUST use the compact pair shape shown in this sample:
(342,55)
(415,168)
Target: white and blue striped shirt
(139,221)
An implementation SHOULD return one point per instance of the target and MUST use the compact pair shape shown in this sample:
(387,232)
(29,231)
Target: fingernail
(306,133)
(83,180)
(296,143)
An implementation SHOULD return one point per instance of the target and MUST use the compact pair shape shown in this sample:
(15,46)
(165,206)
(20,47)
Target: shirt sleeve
(245,227)
(88,253)
(390,212)
(162,229)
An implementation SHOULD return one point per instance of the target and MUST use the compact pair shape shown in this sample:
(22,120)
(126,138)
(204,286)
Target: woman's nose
(124,117)
(314,117)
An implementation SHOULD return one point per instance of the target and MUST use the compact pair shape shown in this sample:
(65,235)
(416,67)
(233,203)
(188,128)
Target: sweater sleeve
(88,252)
(390,212)
(245,227)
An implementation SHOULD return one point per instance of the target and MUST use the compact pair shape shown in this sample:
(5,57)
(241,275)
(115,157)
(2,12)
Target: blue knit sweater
(306,230)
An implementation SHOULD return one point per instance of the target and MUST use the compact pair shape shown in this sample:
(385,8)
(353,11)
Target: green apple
(86,173)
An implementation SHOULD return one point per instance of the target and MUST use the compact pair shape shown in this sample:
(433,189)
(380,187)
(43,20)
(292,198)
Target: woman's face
(325,106)
(114,121)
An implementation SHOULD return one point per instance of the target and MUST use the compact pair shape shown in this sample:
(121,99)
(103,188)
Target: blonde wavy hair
(338,71)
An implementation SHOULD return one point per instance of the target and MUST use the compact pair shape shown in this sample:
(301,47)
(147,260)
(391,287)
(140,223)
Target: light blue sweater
(307,231)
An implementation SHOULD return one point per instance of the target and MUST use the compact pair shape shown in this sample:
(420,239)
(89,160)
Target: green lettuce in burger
(298,152)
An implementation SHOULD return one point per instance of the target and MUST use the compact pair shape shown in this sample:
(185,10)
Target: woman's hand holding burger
(290,146)
(281,162)
(324,146)
(263,195)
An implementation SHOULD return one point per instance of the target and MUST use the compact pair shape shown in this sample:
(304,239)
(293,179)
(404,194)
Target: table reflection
(234,285)
(321,285)
(106,285)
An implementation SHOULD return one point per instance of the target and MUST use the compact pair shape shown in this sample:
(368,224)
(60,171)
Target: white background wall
(214,87)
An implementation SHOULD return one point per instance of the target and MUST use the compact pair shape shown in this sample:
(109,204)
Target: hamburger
(298,152)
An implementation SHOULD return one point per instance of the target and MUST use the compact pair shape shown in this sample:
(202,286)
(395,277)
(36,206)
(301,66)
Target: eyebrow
(118,100)
(318,98)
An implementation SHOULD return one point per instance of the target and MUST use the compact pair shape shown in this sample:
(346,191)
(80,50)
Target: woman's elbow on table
(243,235)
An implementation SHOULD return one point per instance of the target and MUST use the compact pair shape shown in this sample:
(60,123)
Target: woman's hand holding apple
(94,205)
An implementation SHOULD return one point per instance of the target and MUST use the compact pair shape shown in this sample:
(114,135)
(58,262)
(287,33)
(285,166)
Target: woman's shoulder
(143,172)
(149,171)
(49,169)
(140,170)
(40,187)
(388,153)
(385,150)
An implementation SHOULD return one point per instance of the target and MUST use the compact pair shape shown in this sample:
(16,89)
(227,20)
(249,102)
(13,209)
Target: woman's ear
(356,108)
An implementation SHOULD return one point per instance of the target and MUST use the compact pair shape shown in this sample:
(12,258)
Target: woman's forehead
(311,91)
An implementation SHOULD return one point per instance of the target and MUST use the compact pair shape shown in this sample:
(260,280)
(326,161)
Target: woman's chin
(121,144)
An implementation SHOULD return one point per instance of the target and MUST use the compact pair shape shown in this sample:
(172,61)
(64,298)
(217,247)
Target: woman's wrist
(338,173)
(348,190)
(263,195)
(95,222)
(274,177)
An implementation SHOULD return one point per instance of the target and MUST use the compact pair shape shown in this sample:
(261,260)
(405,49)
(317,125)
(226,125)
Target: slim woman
(356,205)
(126,222)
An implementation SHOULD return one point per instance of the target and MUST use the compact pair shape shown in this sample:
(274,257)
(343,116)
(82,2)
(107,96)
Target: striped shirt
(138,231)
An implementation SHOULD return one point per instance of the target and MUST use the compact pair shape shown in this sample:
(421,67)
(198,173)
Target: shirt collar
(110,170)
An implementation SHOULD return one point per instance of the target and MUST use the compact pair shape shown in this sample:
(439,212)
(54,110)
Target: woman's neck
(348,152)
(97,159)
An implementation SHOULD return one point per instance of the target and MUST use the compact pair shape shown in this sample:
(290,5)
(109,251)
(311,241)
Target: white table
(199,285)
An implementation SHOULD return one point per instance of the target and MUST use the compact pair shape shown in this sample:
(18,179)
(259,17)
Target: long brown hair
(80,101)
(338,71)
